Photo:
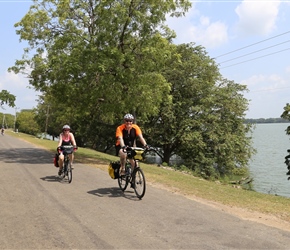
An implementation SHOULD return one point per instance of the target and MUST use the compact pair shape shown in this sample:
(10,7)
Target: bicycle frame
(66,170)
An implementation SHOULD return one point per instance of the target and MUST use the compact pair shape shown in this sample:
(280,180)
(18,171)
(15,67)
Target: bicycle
(136,177)
(66,169)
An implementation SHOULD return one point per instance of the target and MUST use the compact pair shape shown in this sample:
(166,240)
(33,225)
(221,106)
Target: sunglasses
(66,130)
(128,120)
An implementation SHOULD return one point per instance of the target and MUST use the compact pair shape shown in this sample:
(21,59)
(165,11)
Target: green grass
(183,183)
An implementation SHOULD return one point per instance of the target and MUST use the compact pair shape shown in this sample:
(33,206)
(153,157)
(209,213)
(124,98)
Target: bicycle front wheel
(69,172)
(139,183)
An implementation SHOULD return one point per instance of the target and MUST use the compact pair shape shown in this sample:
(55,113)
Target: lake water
(267,166)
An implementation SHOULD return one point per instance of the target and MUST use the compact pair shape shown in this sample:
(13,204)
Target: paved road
(38,211)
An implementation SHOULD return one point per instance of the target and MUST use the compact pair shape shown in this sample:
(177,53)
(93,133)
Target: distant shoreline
(266,120)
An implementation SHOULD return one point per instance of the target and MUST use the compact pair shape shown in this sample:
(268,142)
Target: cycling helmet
(66,127)
(128,117)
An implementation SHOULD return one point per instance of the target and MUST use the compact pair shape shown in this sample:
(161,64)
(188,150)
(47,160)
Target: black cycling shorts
(117,147)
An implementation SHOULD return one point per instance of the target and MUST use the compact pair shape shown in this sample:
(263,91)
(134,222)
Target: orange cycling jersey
(128,136)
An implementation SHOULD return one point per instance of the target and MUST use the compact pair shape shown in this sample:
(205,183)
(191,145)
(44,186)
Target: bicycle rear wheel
(123,182)
(139,183)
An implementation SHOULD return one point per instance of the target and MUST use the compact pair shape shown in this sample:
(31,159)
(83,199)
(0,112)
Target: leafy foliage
(7,120)
(204,122)
(98,59)
(286,115)
(7,98)
(26,122)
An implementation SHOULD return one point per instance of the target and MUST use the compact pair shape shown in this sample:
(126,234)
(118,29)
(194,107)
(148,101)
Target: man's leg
(132,164)
(122,161)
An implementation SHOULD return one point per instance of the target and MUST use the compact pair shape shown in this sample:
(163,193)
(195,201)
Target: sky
(249,39)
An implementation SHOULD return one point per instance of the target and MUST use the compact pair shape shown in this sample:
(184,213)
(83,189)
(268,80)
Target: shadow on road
(114,192)
(26,156)
(109,192)
(52,178)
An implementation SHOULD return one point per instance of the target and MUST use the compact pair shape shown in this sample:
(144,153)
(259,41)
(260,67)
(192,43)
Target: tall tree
(99,58)
(204,122)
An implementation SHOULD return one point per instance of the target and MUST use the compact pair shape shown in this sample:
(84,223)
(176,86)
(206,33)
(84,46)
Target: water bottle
(128,169)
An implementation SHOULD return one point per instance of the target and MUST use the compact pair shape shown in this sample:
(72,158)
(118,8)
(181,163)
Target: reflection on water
(267,166)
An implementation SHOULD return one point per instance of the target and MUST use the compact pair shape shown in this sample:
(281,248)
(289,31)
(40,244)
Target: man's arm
(121,142)
(119,136)
(140,136)
(142,140)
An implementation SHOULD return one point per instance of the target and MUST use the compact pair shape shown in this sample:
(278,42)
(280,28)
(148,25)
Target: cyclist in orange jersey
(126,135)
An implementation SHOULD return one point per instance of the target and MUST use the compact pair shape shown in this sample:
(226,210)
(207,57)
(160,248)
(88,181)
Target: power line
(261,90)
(254,52)
(252,44)
(255,58)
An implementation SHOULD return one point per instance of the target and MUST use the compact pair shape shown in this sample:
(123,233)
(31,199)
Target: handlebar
(67,149)
(140,152)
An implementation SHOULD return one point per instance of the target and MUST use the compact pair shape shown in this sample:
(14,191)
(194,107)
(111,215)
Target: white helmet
(66,127)
(128,117)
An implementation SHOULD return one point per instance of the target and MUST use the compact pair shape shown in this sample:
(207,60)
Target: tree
(99,59)
(204,122)
(7,120)
(26,122)
(286,115)
(7,98)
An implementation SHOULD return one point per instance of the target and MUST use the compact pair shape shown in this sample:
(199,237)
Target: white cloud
(199,29)
(266,83)
(257,17)
(211,35)
(17,85)
(268,95)
(11,80)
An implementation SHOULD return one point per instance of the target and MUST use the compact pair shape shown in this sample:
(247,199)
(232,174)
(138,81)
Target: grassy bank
(183,183)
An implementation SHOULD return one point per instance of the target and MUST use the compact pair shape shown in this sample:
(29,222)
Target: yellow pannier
(113,169)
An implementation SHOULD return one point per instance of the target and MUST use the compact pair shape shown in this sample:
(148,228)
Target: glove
(75,148)
(58,149)
(123,148)
(146,146)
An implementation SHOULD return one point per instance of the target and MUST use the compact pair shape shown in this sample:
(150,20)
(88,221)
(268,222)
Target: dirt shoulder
(266,219)
(269,220)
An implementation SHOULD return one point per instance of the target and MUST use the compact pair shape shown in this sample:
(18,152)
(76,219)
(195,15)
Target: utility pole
(15,119)
(46,122)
